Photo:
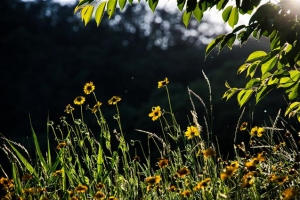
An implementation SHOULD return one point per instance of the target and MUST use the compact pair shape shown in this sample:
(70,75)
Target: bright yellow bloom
(260,131)
(163,83)
(229,170)
(289,193)
(79,100)
(81,189)
(114,100)
(251,165)
(248,179)
(112,198)
(152,180)
(183,172)
(191,132)
(96,107)
(253,131)
(201,184)
(243,126)
(89,88)
(279,179)
(257,131)
(156,113)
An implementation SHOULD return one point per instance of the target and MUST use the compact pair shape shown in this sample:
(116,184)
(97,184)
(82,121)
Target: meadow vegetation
(86,164)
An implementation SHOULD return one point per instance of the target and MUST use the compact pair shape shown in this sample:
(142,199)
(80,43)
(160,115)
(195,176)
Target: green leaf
(88,14)
(221,4)
(197,13)
(252,69)
(111,7)
(180,4)
(213,44)
(252,83)
(234,17)
(229,40)
(236,29)
(100,12)
(122,3)
(293,106)
(22,159)
(243,96)
(229,93)
(226,13)
(257,55)
(243,67)
(186,18)
(262,92)
(267,66)
(38,150)
(293,92)
(99,160)
(227,85)
(153,4)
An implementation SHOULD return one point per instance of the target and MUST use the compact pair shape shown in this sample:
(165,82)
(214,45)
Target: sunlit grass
(189,165)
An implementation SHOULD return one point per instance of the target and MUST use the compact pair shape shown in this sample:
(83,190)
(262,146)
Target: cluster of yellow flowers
(89,88)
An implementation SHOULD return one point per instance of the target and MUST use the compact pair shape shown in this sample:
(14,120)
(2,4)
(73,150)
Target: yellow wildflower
(191,132)
(79,100)
(89,88)
(114,100)
(163,83)
(156,113)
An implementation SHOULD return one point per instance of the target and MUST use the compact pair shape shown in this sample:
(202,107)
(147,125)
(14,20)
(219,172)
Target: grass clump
(85,165)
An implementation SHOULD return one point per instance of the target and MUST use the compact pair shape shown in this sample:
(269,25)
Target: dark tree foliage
(279,22)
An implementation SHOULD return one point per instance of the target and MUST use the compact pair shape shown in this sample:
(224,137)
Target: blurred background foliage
(47,55)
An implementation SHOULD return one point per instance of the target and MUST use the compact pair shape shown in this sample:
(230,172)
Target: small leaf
(236,29)
(257,55)
(153,4)
(266,67)
(229,39)
(88,14)
(83,11)
(122,3)
(81,4)
(111,7)
(252,69)
(243,96)
(252,83)
(213,44)
(243,67)
(100,12)
(262,92)
(293,92)
(291,107)
(227,85)
(221,4)
(226,13)
(186,18)
(234,17)
(180,4)
(197,13)
(229,93)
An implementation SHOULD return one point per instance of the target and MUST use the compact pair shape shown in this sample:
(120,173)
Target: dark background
(47,55)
